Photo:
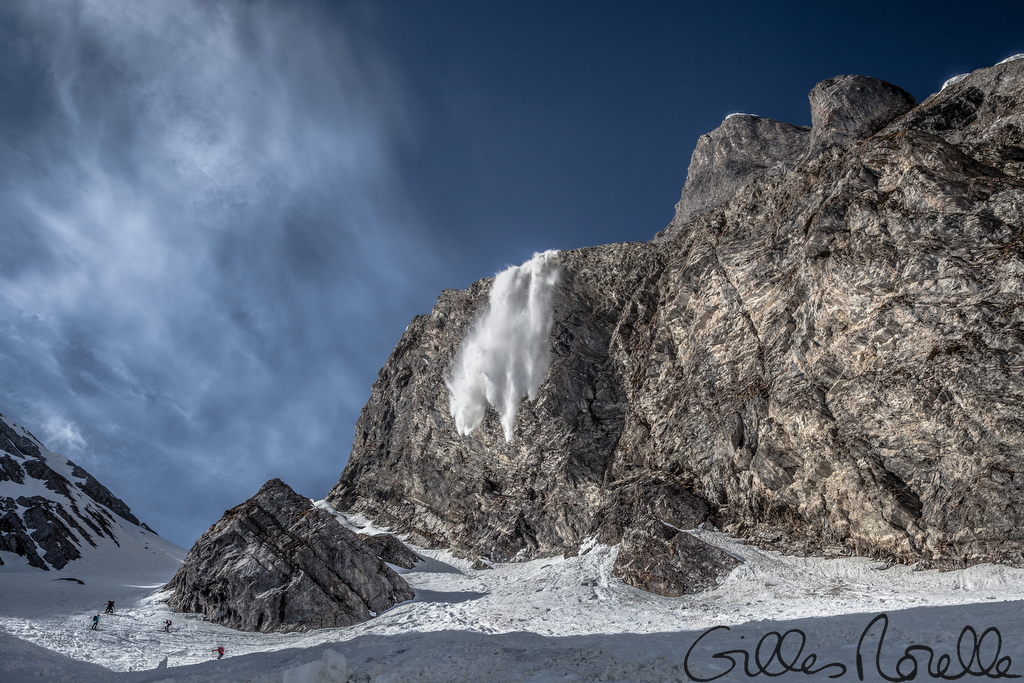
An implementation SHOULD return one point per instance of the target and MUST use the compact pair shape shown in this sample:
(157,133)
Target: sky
(217,217)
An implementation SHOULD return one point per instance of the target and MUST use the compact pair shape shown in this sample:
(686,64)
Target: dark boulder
(659,558)
(391,550)
(277,563)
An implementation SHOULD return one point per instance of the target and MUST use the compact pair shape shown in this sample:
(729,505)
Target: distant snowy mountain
(53,512)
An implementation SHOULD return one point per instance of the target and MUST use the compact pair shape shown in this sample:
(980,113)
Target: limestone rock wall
(822,353)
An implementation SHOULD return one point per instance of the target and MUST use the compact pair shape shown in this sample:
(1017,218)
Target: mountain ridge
(52,509)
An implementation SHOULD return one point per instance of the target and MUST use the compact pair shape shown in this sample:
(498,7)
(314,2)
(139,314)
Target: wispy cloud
(62,435)
(204,229)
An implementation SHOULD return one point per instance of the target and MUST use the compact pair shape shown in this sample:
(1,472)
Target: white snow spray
(505,356)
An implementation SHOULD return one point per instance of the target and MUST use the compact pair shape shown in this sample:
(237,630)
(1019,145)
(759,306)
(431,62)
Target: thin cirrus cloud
(202,230)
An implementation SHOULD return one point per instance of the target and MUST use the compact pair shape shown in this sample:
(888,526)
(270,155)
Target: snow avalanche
(505,356)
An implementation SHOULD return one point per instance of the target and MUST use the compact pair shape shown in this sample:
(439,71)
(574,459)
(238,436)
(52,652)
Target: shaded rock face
(412,471)
(390,549)
(50,508)
(829,358)
(661,559)
(276,563)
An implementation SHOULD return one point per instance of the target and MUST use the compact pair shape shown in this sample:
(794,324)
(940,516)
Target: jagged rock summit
(822,353)
(844,110)
(277,563)
(848,109)
(52,510)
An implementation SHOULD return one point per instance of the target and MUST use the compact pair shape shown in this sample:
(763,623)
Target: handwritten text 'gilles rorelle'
(776,653)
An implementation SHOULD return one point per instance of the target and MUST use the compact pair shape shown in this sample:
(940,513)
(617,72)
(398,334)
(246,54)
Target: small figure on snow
(167,626)
(110,606)
(219,650)
(95,622)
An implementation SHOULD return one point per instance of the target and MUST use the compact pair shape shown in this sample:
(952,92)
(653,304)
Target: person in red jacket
(219,650)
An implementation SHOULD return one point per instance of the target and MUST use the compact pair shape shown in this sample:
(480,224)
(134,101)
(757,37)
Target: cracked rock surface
(822,353)
(276,563)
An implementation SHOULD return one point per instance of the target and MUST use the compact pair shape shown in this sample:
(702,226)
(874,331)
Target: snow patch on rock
(953,81)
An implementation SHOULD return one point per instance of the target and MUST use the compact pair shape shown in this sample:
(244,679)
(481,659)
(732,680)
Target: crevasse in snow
(505,356)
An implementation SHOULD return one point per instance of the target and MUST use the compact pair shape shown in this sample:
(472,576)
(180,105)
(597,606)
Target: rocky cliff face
(277,563)
(823,352)
(50,508)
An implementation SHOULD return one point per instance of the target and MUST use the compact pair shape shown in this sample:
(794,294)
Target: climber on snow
(110,606)
(219,650)
(95,622)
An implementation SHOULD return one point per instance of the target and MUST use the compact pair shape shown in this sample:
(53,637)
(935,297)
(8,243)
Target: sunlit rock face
(823,353)
(277,563)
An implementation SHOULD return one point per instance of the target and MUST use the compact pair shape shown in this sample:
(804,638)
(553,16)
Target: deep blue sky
(218,217)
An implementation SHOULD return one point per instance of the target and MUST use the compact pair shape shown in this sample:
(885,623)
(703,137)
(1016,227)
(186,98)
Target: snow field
(557,619)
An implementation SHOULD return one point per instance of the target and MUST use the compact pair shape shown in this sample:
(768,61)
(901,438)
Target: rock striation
(50,508)
(277,563)
(822,353)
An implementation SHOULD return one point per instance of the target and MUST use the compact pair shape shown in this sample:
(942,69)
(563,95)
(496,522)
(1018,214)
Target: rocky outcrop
(101,494)
(50,508)
(412,470)
(822,354)
(390,549)
(844,110)
(277,563)
(728,158)
(981,115)
(659,558)
(848,109)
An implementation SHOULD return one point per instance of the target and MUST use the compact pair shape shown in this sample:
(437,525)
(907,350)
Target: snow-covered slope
(544,620)
(54,513)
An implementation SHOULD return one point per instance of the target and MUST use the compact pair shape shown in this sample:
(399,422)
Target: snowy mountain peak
(51,510)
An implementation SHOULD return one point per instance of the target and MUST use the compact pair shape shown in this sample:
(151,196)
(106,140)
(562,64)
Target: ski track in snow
(551,619)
